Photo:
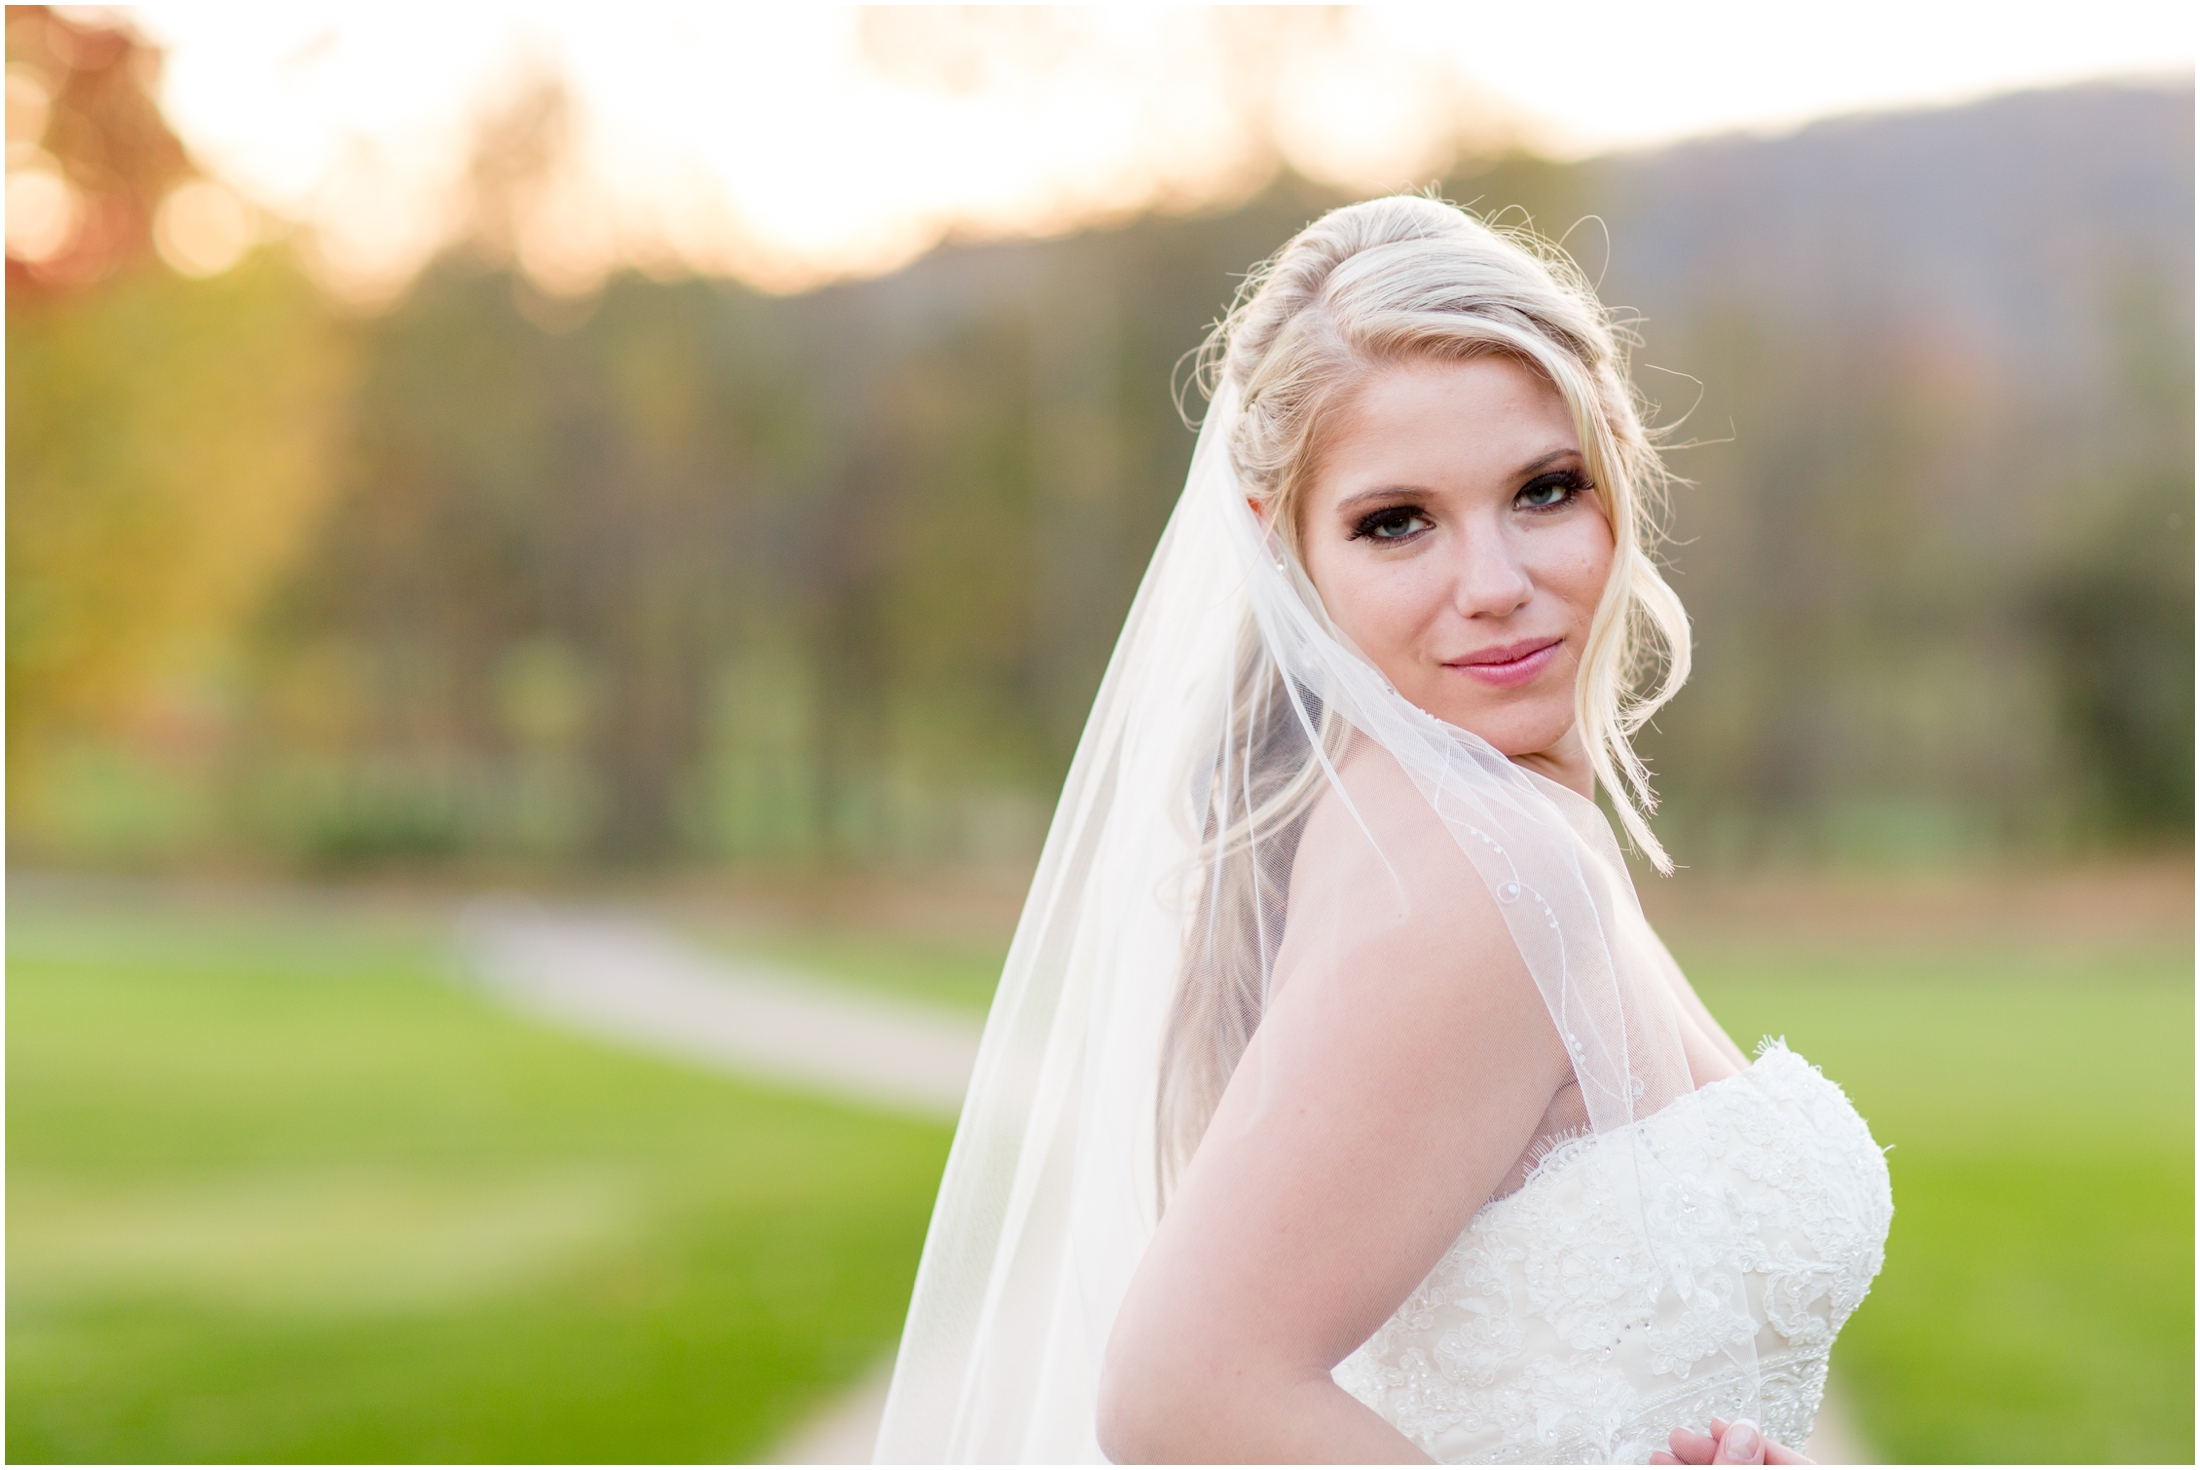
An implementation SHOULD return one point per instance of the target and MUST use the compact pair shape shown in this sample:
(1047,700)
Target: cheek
(1380,607)
(1579,566)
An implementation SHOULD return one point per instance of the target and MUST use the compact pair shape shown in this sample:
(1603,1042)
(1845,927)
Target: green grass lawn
(280,1190)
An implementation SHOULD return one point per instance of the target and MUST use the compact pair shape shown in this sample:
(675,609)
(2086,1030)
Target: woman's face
(1454,535)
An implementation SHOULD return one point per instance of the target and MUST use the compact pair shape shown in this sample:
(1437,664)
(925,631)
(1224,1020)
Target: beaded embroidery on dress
(1548,1334)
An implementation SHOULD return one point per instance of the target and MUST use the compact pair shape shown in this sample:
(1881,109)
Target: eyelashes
(1391,523)
(1569,485)
(1541,495)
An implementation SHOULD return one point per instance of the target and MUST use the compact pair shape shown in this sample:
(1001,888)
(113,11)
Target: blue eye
(1549,492)
(1396,523)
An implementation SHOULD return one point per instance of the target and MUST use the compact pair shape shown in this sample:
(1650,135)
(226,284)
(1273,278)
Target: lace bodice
(1554,1331)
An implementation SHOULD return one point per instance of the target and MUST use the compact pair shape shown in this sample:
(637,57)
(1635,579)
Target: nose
(1489,580)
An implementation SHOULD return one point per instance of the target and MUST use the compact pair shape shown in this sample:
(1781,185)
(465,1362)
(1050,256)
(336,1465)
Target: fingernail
(1741,1440)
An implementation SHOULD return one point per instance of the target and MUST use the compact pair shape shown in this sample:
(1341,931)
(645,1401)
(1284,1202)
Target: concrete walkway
(615,977)
(624,980)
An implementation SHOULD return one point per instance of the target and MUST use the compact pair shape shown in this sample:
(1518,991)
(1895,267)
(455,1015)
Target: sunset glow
(790,145)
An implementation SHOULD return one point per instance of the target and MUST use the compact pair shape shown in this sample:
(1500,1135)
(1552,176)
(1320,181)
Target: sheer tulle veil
(1058,1171)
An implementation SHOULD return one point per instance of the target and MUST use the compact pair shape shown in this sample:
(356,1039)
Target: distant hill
(1996,217)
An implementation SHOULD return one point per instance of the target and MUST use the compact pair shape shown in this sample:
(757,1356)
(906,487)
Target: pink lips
(1511,665)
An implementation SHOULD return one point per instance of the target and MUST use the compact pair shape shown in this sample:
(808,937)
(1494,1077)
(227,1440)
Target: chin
(1516,731)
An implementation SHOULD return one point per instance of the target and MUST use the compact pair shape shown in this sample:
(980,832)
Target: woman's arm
(1402,1066)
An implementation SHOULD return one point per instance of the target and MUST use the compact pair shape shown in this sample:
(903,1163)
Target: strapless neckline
(1695,1263)
(1567,1151)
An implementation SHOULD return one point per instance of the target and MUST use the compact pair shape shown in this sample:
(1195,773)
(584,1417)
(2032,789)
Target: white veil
(1051,1190)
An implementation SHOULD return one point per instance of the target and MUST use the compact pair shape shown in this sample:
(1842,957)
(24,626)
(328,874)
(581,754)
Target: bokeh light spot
(203,229)
(29,102)
(43,209)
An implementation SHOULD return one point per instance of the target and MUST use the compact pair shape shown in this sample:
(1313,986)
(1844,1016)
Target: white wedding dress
(1558,1330)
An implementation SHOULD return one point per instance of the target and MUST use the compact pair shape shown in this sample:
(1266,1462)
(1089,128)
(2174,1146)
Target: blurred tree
(97,120)
(2118,616)
(837,573)
(166,437)
(2120,633)
(508,489)
(678,569)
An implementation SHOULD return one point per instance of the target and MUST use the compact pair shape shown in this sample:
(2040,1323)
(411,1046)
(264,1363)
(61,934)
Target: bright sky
(788,144)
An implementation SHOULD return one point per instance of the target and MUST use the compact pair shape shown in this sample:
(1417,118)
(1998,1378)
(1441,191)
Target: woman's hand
(1738,1443)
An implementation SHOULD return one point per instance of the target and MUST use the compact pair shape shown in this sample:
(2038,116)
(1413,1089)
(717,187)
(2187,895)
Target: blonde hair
(1363,287)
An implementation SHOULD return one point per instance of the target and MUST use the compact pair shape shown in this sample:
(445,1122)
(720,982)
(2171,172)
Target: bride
(1337,1102)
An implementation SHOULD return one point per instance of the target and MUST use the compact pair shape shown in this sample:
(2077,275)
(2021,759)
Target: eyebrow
(1359,498)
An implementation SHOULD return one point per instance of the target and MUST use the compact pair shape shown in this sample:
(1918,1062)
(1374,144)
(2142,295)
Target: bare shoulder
(1372,823)
(1381,892)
